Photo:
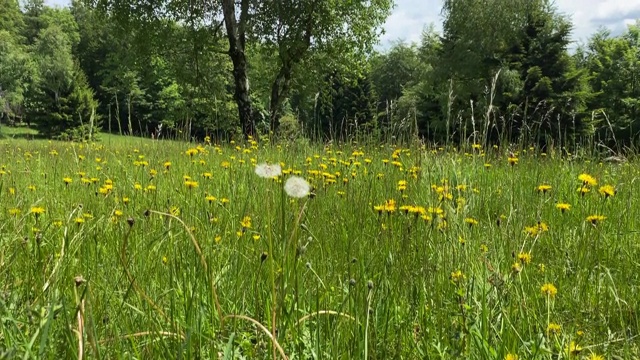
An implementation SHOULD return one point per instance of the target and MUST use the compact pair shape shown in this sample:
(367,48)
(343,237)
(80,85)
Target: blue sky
(410,16)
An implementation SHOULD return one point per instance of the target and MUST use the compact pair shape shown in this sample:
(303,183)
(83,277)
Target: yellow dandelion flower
(457,276)
(574,349)
(471,221)
(595,219)
(543,188)
(563,207)
(191,152)
(37,210)
(67,180)
(190,184)
(607,191)
(549,289)
(207,175)
(175,211)
(31,187)
(14,212)
(167,165)
(516,267)
(594,356)
(587,180)
(512,160)
(524,258)
(256,237)
(210,198)
(511,356)
(150,188)
(553,328)
(246,223)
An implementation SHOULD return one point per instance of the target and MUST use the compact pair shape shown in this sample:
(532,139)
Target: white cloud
(410,16)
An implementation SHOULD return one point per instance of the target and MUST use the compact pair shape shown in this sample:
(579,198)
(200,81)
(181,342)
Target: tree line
(309,68)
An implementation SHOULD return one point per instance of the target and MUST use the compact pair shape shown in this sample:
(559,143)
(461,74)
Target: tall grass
(172,273)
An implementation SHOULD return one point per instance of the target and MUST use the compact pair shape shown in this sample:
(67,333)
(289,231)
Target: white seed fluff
(297,187)
(267,171)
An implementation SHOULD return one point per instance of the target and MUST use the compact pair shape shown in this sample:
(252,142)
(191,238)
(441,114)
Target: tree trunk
(236,34)
(279,92)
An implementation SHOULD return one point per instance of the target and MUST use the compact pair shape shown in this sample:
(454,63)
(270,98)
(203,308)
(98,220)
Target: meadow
(139,249)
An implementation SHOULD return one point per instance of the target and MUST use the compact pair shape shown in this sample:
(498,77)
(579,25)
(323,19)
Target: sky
(409,17)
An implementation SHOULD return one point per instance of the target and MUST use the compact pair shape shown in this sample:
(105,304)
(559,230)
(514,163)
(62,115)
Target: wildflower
(471,221)
(543,188)
(549,289)
(167,165)
(267,171)
(125,200)
(553,328)
(57,223)
(190,184)
(511,356)
(587,180)
(31,187)
(524,258)
(37,211)
(225,164)
(583,190)
(516,267)
(224,201)
(607,191)
(175,211)
(594,219)
(67,180)
(246,223)
(457,276)
(402,185)
(512,160)
(563,207)
(297,187)
(118,213)
(150,188)
(210,198)
(79,220)
(594,356)
(191,152)
(574,349)
(14,211)
(256,237)
(207,175)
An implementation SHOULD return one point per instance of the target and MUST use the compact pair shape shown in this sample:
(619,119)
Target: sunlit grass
(153,249)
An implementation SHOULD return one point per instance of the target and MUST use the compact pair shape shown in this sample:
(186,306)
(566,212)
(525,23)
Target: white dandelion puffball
(267,171)
(297,187)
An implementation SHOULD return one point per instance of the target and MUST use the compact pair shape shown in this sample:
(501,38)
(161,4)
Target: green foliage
(68,114)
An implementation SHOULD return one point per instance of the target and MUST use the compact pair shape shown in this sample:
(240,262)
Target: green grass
(171,273)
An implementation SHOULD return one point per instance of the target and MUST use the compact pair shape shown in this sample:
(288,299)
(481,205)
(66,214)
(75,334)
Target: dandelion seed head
(297,187)
(268,171)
